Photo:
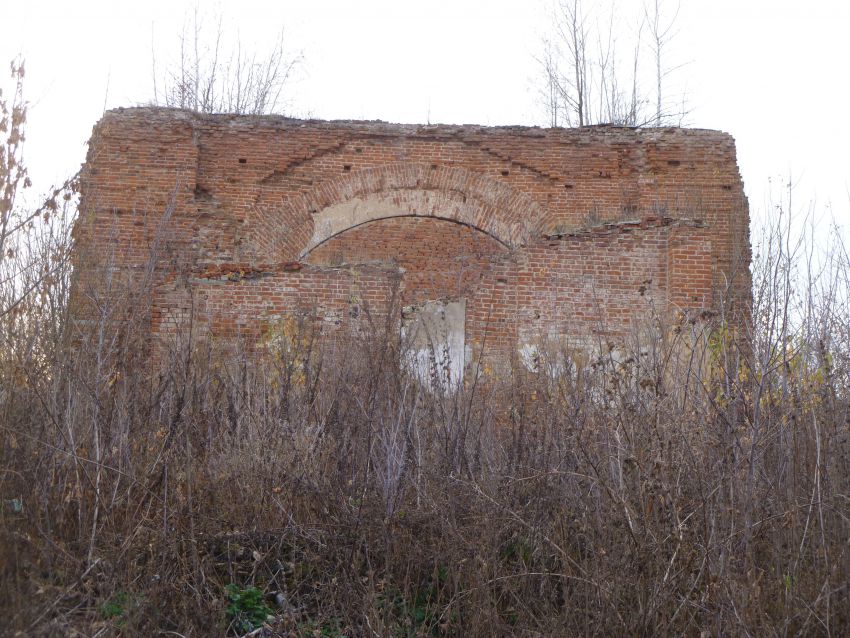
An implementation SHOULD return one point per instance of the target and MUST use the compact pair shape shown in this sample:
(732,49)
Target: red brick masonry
(543,233)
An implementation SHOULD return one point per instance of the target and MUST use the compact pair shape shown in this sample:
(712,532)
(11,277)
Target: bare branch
(208,80)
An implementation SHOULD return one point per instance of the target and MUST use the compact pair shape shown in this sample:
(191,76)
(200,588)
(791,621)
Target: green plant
(247,609)
(117,606)
(520,549)
(416,616)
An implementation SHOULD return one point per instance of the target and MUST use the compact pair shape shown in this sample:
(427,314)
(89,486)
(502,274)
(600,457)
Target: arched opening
(447,274)
(438,258)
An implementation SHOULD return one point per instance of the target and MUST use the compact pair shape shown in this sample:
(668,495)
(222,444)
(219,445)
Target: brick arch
(322,240)
(291,227)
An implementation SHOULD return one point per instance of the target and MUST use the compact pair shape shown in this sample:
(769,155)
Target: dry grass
(683,486)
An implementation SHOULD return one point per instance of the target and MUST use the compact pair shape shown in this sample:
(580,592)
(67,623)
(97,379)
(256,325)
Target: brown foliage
(670,486)
(675,484)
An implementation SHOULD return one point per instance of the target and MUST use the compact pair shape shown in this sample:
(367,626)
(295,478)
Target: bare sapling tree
(28,234)
(661,31)
(212,74)
(587,80)
(13,174)
(567,50)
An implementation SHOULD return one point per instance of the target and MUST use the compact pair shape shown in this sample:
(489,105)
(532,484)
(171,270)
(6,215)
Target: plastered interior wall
(542,234)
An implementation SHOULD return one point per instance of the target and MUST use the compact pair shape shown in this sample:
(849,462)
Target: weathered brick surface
(544,232)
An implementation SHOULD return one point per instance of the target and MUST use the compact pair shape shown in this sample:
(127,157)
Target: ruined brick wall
(542,233)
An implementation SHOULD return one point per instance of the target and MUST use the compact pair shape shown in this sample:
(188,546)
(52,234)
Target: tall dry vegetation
(684,483)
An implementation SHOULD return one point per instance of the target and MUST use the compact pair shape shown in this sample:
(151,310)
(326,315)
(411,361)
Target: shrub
(247,609)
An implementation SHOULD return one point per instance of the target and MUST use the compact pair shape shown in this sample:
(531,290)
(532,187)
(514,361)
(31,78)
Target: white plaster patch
(434,335)
(340,217)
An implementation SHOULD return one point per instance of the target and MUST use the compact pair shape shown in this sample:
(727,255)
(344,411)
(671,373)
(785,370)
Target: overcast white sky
(773,73)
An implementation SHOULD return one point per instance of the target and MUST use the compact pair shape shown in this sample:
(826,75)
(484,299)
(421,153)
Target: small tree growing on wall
(215,75)
(587,81)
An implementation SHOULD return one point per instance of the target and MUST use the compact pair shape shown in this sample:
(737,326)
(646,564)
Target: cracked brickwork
(543,233)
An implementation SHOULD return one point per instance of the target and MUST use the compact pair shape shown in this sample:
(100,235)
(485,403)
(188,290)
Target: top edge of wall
(165,115)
